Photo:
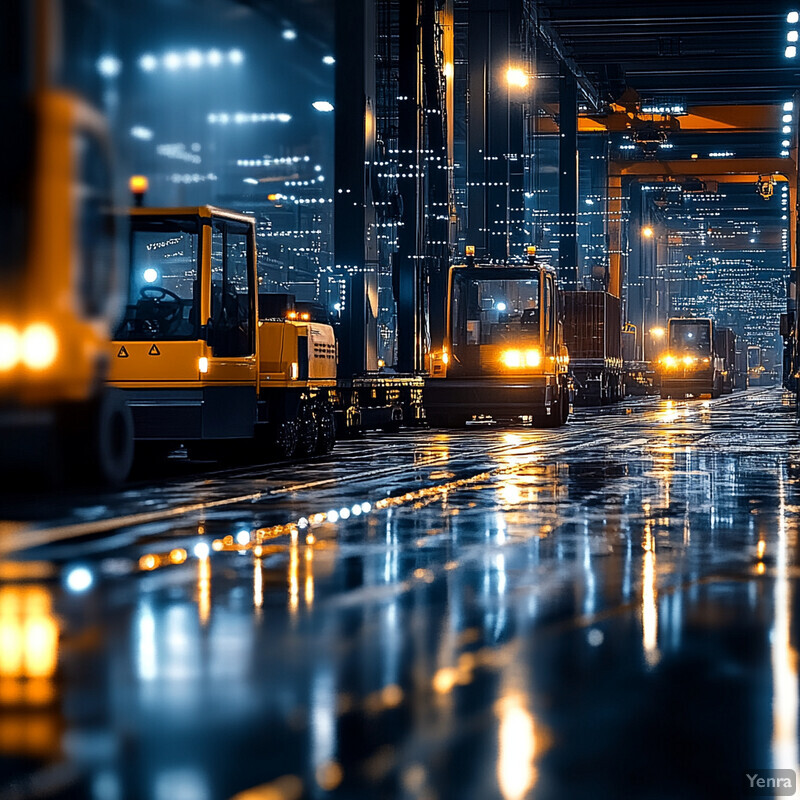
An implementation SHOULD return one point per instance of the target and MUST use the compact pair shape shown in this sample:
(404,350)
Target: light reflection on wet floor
(605,612)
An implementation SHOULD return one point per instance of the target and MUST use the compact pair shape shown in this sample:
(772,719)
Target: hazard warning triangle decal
(123,353)
(154,351)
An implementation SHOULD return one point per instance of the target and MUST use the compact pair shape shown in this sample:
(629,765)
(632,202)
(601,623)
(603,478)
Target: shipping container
(593,334)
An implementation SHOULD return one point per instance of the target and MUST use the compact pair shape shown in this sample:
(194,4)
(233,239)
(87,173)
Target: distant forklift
(503,356)
(197,362)
(60,267)
(725,346)
(690,364)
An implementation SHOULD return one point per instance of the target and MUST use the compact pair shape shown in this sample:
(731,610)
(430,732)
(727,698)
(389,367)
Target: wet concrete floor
(606,610)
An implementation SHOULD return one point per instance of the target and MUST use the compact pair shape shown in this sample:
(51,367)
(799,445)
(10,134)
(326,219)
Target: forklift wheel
(97,440)
(308,431)
(284,439)
(326,425)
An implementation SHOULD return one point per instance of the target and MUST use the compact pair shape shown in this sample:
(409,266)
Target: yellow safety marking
(154,351)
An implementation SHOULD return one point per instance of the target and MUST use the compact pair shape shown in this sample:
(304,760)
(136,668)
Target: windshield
(690,336)
(487,311)
(163,293)
(17,153)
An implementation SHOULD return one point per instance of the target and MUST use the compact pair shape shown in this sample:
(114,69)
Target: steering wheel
(165,312)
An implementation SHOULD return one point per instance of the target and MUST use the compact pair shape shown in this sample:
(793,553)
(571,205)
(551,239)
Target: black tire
(556,417)
(284,439)
(98,441)
(326,425)
(307,431)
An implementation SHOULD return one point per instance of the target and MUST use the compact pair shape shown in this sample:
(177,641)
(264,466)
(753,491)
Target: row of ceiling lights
(792,35)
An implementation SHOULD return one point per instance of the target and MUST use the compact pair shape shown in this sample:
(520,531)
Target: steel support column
(355,243)
(615,248)
(408,264)
(568,265)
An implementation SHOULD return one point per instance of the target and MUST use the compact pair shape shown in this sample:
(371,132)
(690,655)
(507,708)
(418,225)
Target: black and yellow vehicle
(690,364)
(197,362)
(59,267)
(503,356)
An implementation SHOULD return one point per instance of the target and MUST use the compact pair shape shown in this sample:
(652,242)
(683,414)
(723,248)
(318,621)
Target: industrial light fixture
(792,17)
(323,106)
(790,51)
(516,77)
(109,66)
(647,232)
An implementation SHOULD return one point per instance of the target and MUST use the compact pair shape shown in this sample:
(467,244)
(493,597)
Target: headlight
(39,346)
(533,358)
(688,360)
(515,359)
(669,361)
(9,347)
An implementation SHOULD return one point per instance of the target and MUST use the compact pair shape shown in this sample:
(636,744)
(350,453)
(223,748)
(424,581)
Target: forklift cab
(499,319)
(190,324)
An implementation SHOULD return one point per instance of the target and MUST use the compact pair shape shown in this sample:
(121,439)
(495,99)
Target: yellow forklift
(203,359)
(59,267)
(503,356)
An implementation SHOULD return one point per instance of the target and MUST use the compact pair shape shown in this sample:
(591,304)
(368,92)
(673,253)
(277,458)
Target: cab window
(163,293)
(231,331)
(95,225)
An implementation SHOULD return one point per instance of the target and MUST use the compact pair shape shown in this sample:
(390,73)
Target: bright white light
(148,62)
(9,347)
(150,275)
(140,132)
(589,201)
(791,36)
(236,56)
(792,17)
(214,58)
(790,51)
(329,60)
(785,143)
(344,513)
(173,61)
(356,509)
(194,59)
(786,129)
(516,77)
(333,516)
(366,507)
(201,550)
(283,117)
(289,34)
(302,522)
(79,579)
(337,306)
(788,106)
(501,306)
(323,105)
(251,181)
(784,153)
(38,346)
(787,117)
(109,66)
(243,537)
(752,241)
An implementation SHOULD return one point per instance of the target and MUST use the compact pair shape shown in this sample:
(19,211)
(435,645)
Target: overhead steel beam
(553,40)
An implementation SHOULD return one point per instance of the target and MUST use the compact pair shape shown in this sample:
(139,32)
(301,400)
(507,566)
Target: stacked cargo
(593,335)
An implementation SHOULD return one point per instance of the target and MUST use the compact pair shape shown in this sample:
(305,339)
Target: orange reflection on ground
(516,773)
